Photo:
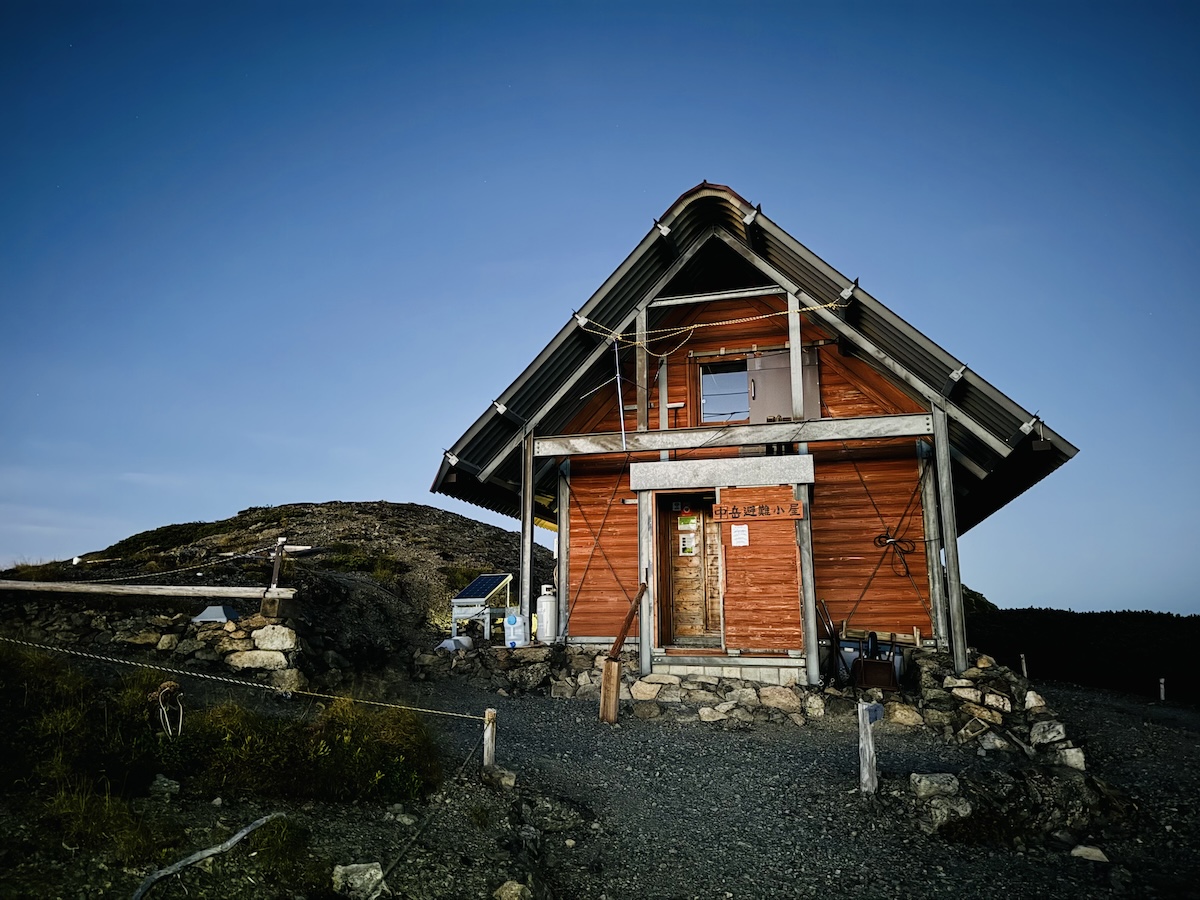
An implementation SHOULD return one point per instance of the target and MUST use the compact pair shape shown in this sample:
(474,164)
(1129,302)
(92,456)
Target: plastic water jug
(516,630)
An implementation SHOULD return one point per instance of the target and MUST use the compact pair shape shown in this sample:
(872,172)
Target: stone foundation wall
(270,650)
(988,705)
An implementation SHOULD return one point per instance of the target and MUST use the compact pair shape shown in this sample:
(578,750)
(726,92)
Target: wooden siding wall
(853,503)
(762,581)
(762,606)
(601,584)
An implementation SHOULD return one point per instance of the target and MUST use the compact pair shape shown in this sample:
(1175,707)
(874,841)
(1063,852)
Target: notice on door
(687,545)
(739,535)
(688,523)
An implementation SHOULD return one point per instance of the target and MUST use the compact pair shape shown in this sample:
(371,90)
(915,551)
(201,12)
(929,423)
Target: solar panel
(484,586)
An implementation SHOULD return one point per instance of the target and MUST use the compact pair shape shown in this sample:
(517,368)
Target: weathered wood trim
(958,627)
(933,545)
(150,590)
(646,565)
(808,587)
(739,294)
(563,588)
(643,374)
(852,429)
(754,471)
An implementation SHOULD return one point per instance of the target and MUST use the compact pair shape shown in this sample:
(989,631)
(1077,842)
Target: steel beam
(527,489)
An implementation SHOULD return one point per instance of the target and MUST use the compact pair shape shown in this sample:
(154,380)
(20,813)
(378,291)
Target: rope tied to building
(206,676)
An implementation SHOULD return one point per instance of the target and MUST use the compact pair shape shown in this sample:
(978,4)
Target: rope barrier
(235,681)
(250,554)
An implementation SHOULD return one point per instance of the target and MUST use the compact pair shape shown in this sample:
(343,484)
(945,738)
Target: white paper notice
(740,535)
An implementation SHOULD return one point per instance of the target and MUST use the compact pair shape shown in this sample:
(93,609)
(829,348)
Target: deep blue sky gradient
(260,253)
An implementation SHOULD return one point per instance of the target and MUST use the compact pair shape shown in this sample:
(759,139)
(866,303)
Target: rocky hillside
(378,576)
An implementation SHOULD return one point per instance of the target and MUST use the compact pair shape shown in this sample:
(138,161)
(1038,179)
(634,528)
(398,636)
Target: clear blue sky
(261,253)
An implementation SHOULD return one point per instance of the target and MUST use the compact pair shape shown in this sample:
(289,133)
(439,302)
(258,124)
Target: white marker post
(489,738)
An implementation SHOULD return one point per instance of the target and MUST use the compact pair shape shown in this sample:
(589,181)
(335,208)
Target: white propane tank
(516,630)
(547,615)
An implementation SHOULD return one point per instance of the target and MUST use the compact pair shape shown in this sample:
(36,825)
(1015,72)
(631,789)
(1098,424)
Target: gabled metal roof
(712,239)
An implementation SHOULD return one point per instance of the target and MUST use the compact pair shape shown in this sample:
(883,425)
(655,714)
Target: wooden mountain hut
(778,457)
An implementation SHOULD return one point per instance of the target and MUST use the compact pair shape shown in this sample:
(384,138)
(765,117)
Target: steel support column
(563,588)
(527,488)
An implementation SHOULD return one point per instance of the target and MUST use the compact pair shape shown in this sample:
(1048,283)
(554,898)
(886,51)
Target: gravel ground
(688,810)
(669,809)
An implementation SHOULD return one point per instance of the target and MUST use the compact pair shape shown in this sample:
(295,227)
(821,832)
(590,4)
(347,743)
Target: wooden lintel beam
(854,429)
(151,590)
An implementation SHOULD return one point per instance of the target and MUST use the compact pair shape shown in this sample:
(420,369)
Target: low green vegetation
(78,756)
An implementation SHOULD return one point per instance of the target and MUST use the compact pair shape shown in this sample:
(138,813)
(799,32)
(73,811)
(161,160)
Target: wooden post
(489,738)
(1024,670)
(610,691)
(1162,689)
(954,593)
(610,682)
(278,561)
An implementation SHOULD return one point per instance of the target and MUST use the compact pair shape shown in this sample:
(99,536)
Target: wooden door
(690,554)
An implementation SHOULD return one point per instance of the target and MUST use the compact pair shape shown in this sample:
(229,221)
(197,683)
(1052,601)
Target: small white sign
(687,545)
(739,535)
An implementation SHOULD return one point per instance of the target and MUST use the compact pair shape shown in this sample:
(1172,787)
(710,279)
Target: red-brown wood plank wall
(603,559)
(762,580)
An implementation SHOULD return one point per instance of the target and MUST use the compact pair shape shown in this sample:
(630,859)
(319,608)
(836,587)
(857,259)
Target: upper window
(724,392)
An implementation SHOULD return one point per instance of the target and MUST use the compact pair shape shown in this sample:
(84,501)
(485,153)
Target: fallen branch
(199,855)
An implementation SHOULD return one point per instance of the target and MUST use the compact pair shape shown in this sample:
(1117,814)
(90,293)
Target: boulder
(936,784)
(709,714)
(779,697)
(257,659)
(1047,732)
(646,709)
(362,881)
(657,678)
(747,697)
(644,690)
(275,637)
(902,714)
(528,678)
(512,890)
(814,706)
(167,643)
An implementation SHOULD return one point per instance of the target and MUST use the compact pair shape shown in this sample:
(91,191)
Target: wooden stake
(489,738)
(610,691)
(610,683)
(1024,671)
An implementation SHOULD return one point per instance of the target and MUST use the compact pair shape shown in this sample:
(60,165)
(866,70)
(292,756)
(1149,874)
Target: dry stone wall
(270,650)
